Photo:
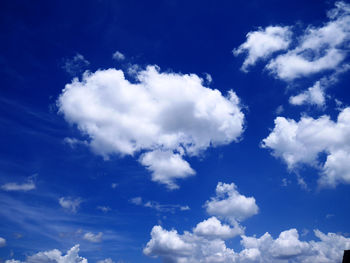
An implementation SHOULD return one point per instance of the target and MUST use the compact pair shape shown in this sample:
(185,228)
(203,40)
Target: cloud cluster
(263,43)
(54,256)
(320,49)
(163,116)
(206,243)
(302,142)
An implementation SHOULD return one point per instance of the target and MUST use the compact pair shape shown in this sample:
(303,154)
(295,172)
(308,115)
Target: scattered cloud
(167,115)
(94,238)
(262,43)
(157,206)
(229,204)
(2,242)
(27,186)
(302,142)
(104,209)
(118,56)
(107,260)
(313,96)
(70,204)
(75,65)
(54,256)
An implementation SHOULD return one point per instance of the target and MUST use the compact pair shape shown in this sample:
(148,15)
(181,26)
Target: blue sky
(174,131)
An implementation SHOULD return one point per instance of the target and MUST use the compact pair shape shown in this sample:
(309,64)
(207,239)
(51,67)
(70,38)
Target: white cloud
(2,242)
(94,238)
(136,200)
(314,96)
(107,260)
(166,167)
(168,114)
(54,256)
(27,186)
(75,65)
(212,228)
(157,206)
(118,56)
(262,43)
(104,209)
(302,142)
(191,248)
(70,203)
(319,48)
(230,204)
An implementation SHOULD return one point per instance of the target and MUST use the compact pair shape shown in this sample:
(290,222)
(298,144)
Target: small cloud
(104,209)
(329,216)
(27,186)
(136,200)
(279,110)
(208,78)
(94,238)
(304,232)
(2,242)
(73,142)
(285,182)
(118,56)
(114,185)
(70,203)
(184,208)
(107,260)
(75,65)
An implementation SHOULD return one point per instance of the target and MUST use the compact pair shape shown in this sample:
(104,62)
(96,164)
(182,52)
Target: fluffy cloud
(212,228)
(166,167)
(54,256)
(191,248)
(70,203)
(302,142)
(75,65)
(94,238)
(165,115)
(230,204)
(2,242)
(27,186)
(262,43)
(314,96)
(118,56)
(320,48)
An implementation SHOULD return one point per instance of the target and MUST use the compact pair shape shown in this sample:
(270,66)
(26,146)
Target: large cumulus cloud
(166,116)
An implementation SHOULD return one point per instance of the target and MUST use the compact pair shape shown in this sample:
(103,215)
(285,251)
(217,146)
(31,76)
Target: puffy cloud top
(303,141)
(230,204)
(168,115)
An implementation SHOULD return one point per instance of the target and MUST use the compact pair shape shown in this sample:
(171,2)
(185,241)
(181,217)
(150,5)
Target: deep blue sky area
(40,40)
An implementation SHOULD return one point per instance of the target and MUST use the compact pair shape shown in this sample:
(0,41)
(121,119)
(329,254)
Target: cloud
(230,204)
(262,43)
(166,167)
(302,142)
(313,96)
(2,242)
(94,238)
(54,256)
(118,56)
(157,206)
(104,209)
(70,203)
(319,48)
(167,115)
(75,65)
(107,260)
(191,248)
(27,186)
(212,228)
